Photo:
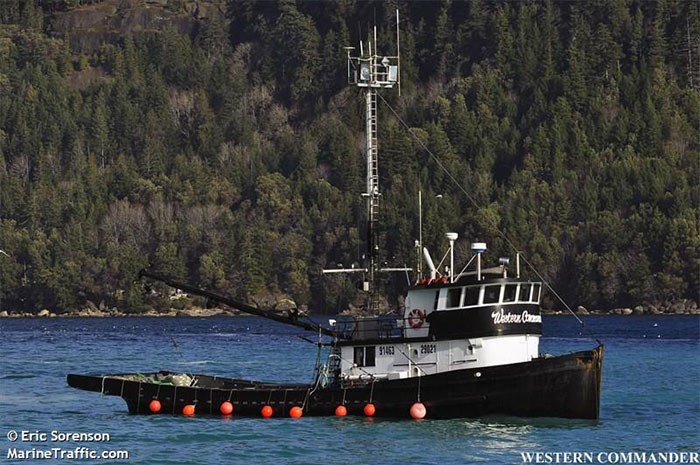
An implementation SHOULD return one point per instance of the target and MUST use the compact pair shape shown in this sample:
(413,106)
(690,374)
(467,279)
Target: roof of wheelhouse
(470,279)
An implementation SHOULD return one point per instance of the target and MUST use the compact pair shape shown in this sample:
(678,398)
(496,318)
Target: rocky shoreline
(113,312)
(678,307)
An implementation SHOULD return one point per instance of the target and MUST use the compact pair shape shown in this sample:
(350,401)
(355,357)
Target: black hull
(566,386)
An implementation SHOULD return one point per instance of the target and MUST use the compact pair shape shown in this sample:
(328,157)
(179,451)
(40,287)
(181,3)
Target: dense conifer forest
(222,144)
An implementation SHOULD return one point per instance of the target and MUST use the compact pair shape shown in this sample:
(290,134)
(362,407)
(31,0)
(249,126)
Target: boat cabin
(470,321)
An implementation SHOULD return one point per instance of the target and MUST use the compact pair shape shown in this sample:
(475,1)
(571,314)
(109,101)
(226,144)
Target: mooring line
(488,220)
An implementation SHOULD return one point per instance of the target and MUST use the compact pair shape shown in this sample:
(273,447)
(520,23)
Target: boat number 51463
(386,350)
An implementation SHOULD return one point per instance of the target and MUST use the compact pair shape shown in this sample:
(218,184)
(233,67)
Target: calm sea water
(650,399)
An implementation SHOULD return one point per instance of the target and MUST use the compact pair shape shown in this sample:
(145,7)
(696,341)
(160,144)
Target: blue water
(650,397)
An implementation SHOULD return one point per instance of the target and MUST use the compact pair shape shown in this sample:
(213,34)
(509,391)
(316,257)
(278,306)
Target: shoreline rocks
(198,312)
(677,307)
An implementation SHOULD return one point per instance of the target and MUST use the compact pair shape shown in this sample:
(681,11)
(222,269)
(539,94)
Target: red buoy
(226,408)
(341,411)
(370,410)
(418,411)
(154,406)
(266,411)
(188,410)
(296,412)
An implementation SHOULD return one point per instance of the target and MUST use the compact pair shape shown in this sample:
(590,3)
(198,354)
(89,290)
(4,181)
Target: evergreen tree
(295,43)
(231,155)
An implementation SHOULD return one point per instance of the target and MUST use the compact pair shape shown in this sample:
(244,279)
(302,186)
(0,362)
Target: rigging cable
(415,365)
(182,357)
(488,219)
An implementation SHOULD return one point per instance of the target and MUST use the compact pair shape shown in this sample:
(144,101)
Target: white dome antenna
(452,237)
(478,248)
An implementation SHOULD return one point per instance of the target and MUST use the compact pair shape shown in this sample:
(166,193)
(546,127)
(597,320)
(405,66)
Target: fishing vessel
(465,344)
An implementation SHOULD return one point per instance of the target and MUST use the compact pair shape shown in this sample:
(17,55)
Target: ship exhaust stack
(429,262)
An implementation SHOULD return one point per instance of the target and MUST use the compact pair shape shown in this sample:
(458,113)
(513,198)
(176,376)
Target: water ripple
(650,395)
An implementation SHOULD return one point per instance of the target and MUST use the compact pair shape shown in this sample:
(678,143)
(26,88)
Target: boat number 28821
(428,349)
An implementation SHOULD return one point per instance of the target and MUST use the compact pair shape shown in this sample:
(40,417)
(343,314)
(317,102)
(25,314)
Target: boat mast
(371,71)
(372,193)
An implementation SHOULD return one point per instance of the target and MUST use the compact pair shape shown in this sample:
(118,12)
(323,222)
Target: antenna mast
(371,71)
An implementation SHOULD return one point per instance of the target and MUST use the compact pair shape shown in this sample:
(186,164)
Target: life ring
(416,318)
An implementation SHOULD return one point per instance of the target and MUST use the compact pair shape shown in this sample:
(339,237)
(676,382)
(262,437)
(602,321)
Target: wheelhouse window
(509,293)
(454,297)
(524,292)
(492,294)
(536,293)
(471,296)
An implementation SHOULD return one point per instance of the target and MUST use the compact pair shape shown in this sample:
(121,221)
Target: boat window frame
(498,295)
(514,297)
(467,293)
(370,356)
(450,297)
(523,286)
(364,356)
(536,291)
(358,356)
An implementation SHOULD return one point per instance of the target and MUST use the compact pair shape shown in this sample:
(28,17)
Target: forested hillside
(218,141)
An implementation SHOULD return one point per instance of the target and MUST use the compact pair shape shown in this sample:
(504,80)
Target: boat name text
(501,317)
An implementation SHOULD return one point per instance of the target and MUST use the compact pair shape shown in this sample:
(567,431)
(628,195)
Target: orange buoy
(296,412)
(188,410)
(266,411)
(341,411)
(154,406)
(418,411)
(226,408)
(370,410)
